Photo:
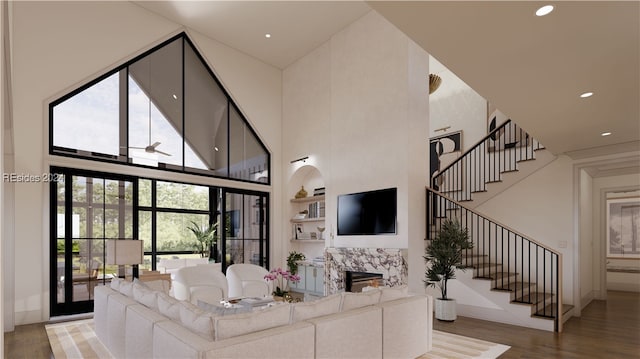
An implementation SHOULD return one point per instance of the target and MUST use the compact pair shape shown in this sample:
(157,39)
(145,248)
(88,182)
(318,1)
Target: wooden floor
(608,329)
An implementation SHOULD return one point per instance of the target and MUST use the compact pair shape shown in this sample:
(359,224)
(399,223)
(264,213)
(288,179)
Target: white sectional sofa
(134,321)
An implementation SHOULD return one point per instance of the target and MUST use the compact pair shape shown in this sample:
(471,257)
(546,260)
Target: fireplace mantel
(387,261)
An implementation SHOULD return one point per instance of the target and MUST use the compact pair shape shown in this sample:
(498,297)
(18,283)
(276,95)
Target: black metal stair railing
(527,269)
(499,152)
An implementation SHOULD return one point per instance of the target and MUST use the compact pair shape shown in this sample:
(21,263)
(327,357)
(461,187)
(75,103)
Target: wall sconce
(443,129)
(434,83)
(303,159)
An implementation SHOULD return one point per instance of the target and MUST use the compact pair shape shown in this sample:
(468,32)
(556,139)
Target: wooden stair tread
(532,298)
(516,286)
(549,311)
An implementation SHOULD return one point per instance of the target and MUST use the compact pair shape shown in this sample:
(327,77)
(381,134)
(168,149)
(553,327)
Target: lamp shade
(124,251)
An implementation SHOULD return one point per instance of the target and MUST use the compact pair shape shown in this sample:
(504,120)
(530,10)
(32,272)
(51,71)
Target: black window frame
(124,106)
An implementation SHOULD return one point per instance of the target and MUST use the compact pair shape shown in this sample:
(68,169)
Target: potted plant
(292,261)
(281,279)
(206,239)
(442,256)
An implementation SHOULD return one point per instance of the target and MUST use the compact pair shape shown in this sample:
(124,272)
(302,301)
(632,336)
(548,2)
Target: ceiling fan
(151,148)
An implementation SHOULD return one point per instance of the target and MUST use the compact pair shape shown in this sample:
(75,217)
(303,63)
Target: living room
(333,105)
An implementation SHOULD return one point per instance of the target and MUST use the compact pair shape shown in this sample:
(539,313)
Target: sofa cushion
(260,319)
(307,310)
(169,306)
(393,293)
(357,300)
(197,320)
(220,310)
(126,288)
(115,284)
(159,285)
(144,295)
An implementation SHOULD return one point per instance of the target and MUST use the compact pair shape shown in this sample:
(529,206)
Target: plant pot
(446,309)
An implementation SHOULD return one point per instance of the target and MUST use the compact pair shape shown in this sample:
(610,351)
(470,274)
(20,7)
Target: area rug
(453,346)
(77,339)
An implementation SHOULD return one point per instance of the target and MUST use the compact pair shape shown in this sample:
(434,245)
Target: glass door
(245,235)
(90,210)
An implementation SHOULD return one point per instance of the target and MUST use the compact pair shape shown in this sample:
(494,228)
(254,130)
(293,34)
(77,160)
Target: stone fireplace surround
(387,261)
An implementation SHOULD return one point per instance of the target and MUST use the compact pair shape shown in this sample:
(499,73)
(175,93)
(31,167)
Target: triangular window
(164,109)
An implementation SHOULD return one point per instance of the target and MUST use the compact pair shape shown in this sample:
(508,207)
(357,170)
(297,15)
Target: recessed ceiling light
(586,94)
(604,134)
(216,149)
(545,10)
(267,35)
(175,97)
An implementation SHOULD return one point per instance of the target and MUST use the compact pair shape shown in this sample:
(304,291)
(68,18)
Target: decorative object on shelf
(441,257)
(297,230)
(292,261)
(281,279)
(434,83)
(302,193)
(320,230)
(301,215)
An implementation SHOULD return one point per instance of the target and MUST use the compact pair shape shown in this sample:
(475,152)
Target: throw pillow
(169,306)
(158,285)
(238,324)
(115,283)
(197,320)
(324,306)
(144,295)
(357,300)
(393,293)
(126,288)
(220,310)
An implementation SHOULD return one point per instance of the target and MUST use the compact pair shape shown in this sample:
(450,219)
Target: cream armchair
(202,282)
(247,280)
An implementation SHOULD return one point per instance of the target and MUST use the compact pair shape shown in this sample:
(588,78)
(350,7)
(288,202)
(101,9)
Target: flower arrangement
(281,279)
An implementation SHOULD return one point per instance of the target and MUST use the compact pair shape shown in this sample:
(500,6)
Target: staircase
(517,276)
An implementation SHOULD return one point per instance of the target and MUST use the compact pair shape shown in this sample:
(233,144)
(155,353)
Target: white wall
(59,45)
(541,207)
(357,105)
(457,105)
(586,238)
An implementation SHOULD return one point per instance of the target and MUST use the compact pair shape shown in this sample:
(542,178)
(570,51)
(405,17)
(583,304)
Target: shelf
(319,219)
(308,199)
(308,240)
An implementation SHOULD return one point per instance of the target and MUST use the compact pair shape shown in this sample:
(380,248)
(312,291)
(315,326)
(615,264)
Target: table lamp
(123,252)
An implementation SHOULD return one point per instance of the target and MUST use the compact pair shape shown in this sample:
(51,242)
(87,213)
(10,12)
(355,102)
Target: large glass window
(165,109)
(87,208)
(89,121)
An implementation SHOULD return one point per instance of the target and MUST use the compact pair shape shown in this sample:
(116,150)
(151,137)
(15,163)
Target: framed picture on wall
(623,227)
(509,136)
(444,150)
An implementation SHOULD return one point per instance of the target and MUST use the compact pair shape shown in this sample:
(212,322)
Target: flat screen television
(367,213)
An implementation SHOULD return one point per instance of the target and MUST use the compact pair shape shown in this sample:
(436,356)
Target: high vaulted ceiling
(532,68)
